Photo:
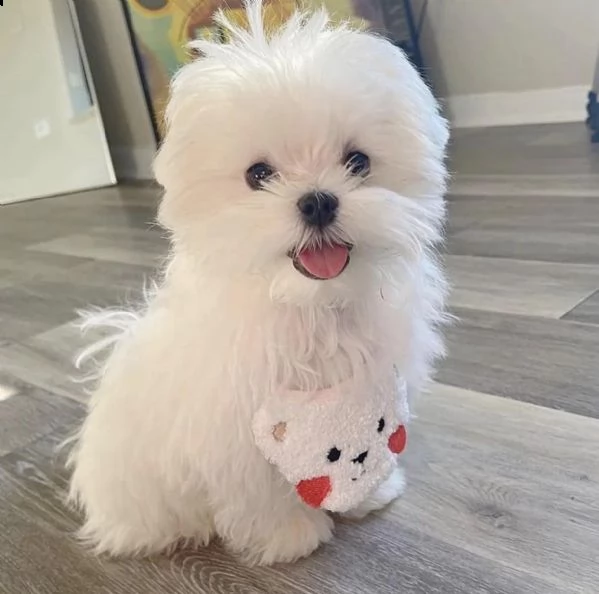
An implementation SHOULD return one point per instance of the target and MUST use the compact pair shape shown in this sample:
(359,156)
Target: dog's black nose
(318,209)
(360,459)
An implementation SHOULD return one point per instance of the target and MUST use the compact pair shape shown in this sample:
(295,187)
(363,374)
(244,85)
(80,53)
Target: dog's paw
(388,492)
(300,534)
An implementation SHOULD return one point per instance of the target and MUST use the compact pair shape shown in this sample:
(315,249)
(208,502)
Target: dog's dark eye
(333,455)
(257,174)
(357,163)
(381,425)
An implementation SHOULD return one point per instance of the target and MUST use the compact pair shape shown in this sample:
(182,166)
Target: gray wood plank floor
(503,464)
(587,311)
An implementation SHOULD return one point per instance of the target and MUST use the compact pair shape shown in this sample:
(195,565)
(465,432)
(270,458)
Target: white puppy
(304,178)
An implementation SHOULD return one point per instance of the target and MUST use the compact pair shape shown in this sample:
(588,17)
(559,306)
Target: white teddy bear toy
(335,445)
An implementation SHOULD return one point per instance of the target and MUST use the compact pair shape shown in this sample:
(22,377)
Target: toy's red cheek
(314,491)
(397,441)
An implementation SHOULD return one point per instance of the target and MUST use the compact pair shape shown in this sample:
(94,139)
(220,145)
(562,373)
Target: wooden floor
(503,467)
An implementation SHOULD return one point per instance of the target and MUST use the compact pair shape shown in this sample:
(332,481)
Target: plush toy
(335,445)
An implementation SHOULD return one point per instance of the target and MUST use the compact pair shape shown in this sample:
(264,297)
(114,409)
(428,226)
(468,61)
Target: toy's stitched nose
(360,459)
(318,209)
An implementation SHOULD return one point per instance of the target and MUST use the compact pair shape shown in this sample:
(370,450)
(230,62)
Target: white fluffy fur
(167,451)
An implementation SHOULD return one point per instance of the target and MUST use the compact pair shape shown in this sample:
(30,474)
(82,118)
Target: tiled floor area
(503,467)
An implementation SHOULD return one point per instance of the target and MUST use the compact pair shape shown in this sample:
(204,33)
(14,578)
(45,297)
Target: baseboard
(544,106)
(133,163)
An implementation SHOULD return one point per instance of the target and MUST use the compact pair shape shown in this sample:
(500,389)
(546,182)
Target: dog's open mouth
(323,262)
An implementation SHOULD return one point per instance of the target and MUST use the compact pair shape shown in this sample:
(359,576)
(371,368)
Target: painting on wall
(162,28)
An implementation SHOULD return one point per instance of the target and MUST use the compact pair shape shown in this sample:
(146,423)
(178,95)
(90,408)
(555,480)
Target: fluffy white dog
(304,179)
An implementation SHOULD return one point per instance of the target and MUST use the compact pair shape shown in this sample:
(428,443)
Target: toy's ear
(279,431)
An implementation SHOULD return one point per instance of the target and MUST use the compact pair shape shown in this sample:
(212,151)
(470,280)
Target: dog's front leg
(260,517)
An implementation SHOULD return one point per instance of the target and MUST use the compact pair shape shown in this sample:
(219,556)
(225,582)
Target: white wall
(120,92)
(51,132)
(512,61)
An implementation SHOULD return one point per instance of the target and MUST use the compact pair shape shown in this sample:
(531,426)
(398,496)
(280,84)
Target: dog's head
(311,156)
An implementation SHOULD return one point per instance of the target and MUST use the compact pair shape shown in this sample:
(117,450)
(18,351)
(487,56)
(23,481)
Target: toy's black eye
(257,174)
(333,455)
(357,163)
(381,425)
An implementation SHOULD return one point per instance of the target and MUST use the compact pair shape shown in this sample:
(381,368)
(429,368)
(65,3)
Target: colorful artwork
(162,29)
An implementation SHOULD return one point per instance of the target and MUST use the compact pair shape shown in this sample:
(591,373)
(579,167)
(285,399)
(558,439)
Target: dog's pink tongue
(325,262)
